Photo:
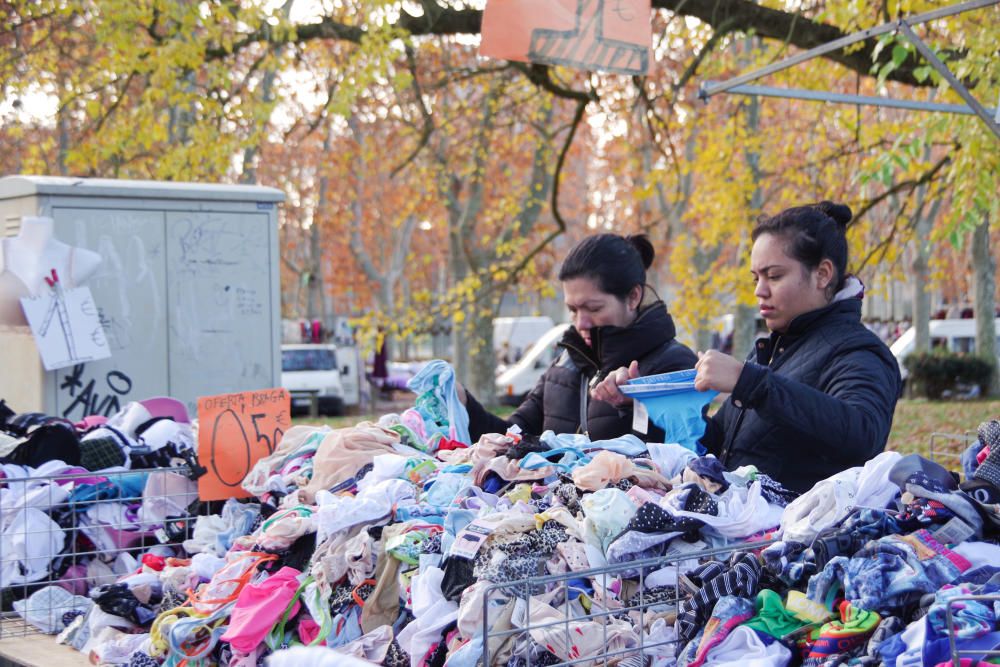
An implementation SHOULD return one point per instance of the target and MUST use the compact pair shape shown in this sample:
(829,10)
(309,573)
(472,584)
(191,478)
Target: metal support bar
(843,98)
(847,40)
(956,653)
(943,70)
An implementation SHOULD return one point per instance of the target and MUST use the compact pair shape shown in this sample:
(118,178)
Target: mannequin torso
(28,258)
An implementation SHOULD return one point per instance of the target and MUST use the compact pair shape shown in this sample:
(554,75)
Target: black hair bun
(841,213)
(642,244)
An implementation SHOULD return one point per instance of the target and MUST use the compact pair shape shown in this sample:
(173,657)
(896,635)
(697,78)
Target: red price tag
(234,432)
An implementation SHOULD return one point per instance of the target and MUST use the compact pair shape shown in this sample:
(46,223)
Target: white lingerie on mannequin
(28,258)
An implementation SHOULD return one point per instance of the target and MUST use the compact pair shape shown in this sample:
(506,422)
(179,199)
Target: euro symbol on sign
(623,11)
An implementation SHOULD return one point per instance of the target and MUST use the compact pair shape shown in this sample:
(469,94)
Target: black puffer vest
(561,402)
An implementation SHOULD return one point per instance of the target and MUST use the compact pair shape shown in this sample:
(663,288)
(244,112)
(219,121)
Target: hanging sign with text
(66,326)
(234,432)
(603,35)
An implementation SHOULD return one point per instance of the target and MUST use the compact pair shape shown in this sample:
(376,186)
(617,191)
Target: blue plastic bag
(674,405)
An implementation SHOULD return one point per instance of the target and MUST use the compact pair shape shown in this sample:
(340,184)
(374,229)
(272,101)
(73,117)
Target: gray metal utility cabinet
(188,291)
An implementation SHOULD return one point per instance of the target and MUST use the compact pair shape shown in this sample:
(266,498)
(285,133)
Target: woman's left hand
(717,371)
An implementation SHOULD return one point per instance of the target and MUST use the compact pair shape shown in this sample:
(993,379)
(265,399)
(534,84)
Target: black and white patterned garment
(989,469)
(529,443)
(541,504)
(741,579)
(432,545)
(701,501)
(140,659)
(396,656)
(651,518)
(521,557)
(536,657)
(655,596)
(362,471)
(624,484)
(170,601)
(989,433)
(68,617)
(343,596)
(569,496)
(774,492)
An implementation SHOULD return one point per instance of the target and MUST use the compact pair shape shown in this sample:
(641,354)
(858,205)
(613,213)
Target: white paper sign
(469,540)
(66,327)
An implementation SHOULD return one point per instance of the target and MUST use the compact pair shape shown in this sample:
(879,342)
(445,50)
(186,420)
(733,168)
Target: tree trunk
(481,360)
(62,123)
(388,304)
(315,304)
(404,343)
(703,260)
(984,280)
(744,316)
(921,277)
(459,333)
(744,330)
(439,337)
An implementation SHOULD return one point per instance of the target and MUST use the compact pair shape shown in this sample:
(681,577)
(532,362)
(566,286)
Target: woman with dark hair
(604,286)
(817,395)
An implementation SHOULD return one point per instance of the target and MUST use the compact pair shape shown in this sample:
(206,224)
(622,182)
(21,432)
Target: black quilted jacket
(560,401)
(810,402)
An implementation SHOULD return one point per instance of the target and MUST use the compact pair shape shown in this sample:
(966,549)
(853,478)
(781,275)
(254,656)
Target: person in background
(817,396)
(613,322)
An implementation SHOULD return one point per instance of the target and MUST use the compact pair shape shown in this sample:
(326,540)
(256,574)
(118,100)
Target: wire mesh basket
(62,535)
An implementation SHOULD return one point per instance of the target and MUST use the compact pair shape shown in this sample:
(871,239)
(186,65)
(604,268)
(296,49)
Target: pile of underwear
(80,502)
(403,543)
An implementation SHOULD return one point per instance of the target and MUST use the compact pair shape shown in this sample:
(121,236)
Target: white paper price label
(640,417)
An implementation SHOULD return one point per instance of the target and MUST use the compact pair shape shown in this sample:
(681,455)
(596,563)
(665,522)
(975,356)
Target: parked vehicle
(349,361)
(513,384)
(951,335)
(308,370)
(512,336)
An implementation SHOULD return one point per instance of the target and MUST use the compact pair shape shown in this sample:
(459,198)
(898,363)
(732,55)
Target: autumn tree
(491,155)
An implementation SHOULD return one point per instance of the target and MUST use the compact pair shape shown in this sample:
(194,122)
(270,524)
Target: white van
(512,336)
(951,335)
(312,370)
(514,383)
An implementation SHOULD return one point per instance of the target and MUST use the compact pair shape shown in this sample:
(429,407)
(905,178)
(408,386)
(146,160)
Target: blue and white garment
(438,397)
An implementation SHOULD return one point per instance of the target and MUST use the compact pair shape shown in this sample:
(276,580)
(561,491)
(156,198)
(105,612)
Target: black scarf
(613,347)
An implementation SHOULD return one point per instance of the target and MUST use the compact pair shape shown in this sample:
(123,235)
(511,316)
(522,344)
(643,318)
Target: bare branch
(581,107)
(724,29)
(540,76)
(750,16)
(425,113)
(357,246)
(114,105)
(906,185)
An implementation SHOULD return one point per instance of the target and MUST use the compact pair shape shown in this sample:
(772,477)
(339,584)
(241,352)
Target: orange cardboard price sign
(234,432)
(606,35)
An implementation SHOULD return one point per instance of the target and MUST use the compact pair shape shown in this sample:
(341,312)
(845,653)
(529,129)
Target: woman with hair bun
(816,396)
(613,323)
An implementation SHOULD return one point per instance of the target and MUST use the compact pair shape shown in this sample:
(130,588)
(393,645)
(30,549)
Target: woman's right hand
(607,390)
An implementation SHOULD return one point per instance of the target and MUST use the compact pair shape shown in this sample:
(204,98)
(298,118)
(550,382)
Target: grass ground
(917,419)
(914,422)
